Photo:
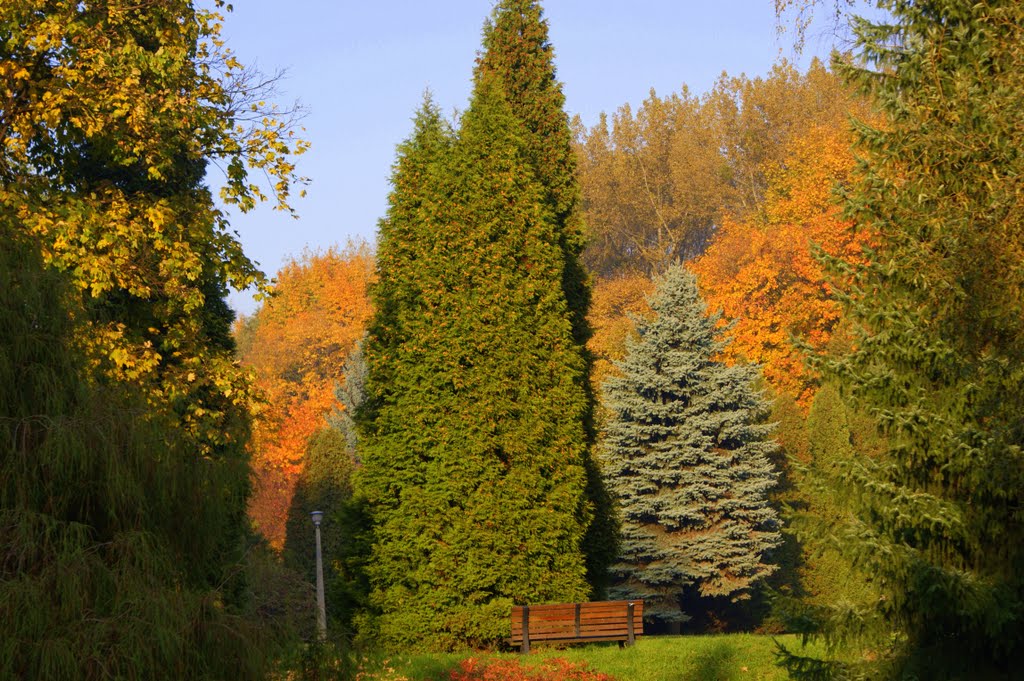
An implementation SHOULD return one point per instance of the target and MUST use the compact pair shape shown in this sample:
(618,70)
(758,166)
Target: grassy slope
(736,657)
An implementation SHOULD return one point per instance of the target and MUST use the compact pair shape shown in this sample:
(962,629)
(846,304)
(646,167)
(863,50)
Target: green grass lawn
(732,657)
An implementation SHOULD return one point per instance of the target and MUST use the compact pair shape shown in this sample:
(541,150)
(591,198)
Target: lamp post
(321,608)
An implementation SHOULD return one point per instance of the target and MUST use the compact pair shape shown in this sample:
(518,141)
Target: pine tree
(518,52)
(687,456)
(938,347)
(474,454)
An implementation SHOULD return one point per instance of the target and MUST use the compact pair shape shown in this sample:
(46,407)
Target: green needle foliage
(687,456)
(835,434)
(473,442)
(117,538)
(517,51)
(938,354)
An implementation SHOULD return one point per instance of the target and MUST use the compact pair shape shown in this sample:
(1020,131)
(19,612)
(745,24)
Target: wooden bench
(620,621)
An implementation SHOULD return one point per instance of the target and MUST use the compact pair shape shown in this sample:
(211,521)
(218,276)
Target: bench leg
(525,648)
(629,625)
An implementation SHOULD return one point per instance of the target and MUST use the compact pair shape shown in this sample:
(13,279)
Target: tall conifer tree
(938,356)
(518,52)
(395,440)
(687,456)
(474,443)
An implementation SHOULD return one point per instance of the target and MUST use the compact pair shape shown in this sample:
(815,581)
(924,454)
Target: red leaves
(553,669)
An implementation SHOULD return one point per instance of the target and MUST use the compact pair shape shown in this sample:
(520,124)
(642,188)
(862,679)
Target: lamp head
(317,516)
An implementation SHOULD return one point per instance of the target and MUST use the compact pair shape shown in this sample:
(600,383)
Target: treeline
(855,228)
(580,364)
(304,321)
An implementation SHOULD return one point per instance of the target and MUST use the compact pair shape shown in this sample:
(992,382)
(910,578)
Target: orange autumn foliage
(762,272)
(297,343)
(613,303)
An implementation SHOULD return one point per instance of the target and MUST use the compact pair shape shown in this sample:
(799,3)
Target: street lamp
(321,611)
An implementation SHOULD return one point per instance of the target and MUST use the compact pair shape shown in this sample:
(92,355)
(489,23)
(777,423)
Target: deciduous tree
(110,117)
(296,342)
(659,181)
(763,272)
(125,507)
(617,303)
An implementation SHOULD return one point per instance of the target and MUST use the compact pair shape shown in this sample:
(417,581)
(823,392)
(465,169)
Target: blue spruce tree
(686,453)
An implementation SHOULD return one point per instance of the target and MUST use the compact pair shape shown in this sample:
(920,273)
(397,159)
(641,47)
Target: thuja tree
(396,373)
(835,434)
(938,347)
(686,453)
(518,52)
(473,440)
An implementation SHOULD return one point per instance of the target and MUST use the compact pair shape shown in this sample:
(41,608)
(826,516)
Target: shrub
(553,669)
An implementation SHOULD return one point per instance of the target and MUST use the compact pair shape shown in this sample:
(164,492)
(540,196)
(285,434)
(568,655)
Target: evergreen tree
(118,540)
(397,378)
(938,348)
(835,434)
(351,394)
(474,458)
(517,51)
(687,456)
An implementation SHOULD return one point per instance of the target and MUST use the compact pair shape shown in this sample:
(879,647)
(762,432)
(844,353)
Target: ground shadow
(717,661)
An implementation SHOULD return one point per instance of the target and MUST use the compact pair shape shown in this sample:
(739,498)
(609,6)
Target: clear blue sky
(360,68)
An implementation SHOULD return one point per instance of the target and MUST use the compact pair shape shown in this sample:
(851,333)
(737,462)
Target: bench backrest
(603,620)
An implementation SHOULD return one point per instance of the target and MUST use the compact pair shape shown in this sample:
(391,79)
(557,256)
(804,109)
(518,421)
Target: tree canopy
(125,472)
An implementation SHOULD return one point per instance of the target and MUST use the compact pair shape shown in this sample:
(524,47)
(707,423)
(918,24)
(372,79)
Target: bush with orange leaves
(552,669)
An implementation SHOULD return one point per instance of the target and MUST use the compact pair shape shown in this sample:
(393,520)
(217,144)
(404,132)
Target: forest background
(877,292)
